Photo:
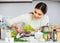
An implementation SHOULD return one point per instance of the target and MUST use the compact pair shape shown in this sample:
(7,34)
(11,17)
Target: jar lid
(45,32)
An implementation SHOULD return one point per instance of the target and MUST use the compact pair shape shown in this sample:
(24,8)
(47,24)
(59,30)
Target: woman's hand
(18,29)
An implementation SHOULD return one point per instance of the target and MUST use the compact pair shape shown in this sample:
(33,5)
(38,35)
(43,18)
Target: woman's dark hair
(42,6)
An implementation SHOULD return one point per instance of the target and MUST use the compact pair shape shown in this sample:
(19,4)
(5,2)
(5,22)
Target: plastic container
(54,35)
(45,36)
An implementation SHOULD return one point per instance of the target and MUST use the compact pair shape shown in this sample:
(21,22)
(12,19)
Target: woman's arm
(12,23)
(15,20)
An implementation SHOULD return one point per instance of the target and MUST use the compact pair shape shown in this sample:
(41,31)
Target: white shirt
(27,19)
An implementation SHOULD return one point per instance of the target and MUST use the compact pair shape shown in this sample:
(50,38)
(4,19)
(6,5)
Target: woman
(32,22)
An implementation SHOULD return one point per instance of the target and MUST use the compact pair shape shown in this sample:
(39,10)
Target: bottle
(3,30)
(0,33)
(45,32)
(0,25)
(0,29)
(48,36)
(50,30)
(45,36)
(54,35)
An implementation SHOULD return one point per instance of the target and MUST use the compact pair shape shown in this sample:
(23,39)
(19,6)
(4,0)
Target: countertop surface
(2,41)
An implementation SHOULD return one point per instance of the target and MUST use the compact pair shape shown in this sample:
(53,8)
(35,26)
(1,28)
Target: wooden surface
(58,34)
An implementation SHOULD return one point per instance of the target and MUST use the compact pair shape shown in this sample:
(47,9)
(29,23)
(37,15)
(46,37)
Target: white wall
(16,9)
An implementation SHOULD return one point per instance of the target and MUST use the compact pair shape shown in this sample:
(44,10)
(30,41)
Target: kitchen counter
(2,41)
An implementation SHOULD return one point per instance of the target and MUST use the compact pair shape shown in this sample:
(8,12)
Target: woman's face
(38,13)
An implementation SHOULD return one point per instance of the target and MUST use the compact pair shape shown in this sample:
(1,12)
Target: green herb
(19,40)
(14,33)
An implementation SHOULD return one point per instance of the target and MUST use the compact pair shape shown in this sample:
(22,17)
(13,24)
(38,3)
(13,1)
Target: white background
(16,9)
